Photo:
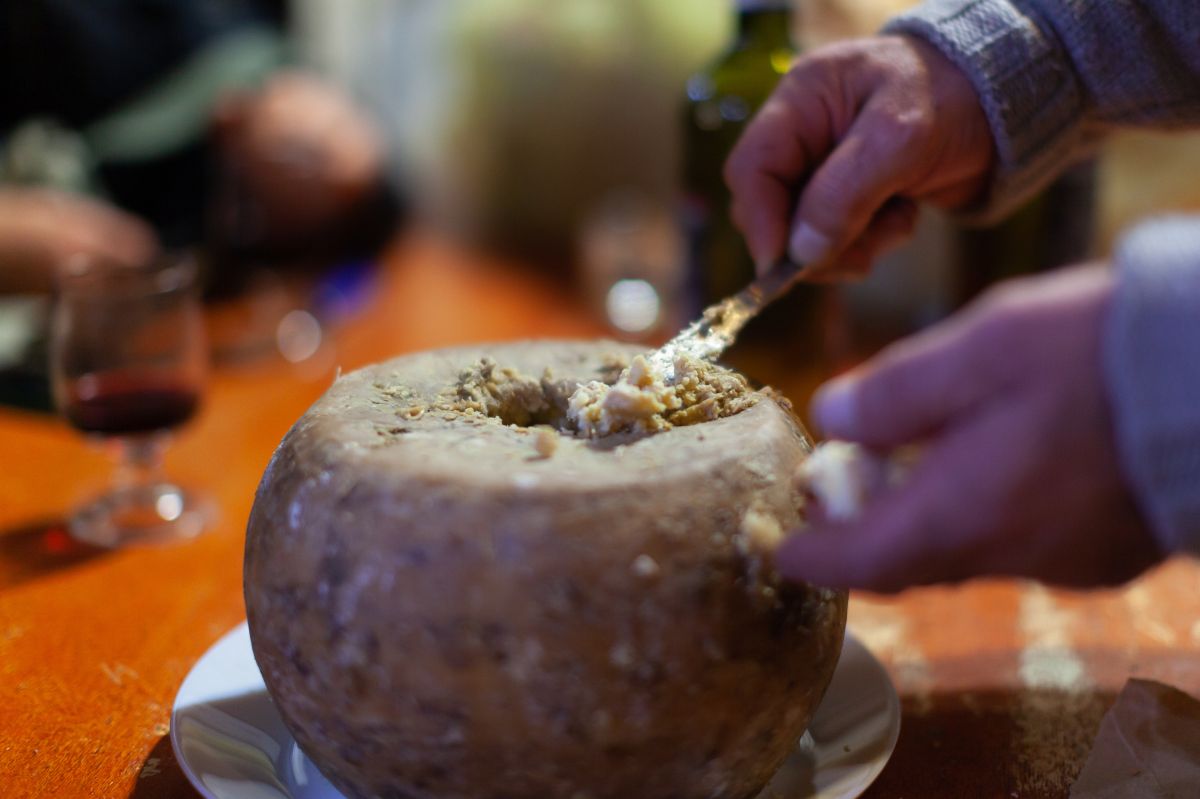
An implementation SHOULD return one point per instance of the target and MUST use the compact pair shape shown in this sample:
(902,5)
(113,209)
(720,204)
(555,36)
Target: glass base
(142,514)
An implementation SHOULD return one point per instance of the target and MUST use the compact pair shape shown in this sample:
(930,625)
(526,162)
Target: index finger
(929,529)
(785,141)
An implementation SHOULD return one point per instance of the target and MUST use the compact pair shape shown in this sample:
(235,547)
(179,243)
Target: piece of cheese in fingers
(841,478)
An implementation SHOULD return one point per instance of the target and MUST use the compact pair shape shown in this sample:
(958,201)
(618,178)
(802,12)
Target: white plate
(232,744)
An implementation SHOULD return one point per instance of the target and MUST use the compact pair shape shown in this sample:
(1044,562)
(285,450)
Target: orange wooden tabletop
(1003,683)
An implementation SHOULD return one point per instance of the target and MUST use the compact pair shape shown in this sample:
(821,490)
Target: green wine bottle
(721,99)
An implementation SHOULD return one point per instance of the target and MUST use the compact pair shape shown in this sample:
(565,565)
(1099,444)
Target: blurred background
(292,147)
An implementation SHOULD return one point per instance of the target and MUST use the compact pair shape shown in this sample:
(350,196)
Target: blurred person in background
(135,125)
(1058,416)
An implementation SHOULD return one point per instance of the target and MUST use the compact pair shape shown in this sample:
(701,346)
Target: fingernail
(833,407)
(808,245)
(763,265)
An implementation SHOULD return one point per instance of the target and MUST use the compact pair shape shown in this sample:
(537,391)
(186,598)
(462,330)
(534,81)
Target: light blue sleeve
(1152,368)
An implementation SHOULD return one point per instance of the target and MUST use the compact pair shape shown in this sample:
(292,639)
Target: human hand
(859,132)
(1019,475)
(301,149)
(43,231)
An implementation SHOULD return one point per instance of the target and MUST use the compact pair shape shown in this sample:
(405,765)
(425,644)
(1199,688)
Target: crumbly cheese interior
(503,393)
(645,401)
(632,398)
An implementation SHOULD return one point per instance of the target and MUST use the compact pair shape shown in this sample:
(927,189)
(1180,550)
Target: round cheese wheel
(448,604)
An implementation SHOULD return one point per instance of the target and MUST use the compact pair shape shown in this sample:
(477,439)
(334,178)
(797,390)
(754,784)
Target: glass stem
(140,460)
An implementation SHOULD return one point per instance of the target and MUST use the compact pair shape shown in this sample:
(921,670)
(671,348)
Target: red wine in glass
(128,359)
(125,403)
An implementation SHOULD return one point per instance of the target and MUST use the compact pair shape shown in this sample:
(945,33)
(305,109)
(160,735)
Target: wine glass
(128,361)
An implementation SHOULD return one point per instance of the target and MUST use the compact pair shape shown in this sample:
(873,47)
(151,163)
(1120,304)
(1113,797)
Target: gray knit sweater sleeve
(1054,74)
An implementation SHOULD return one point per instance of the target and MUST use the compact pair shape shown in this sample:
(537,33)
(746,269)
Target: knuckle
(989,345)
(1000,324)
(744,148)
(734,169)
(900,131)
(994,324)
(893,372)
(817,65)
(743,175)
(995,297)
(1009,295)
(756,152)
(838,56)
(998,310)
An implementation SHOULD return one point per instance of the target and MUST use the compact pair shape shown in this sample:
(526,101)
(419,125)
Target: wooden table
(1003,683)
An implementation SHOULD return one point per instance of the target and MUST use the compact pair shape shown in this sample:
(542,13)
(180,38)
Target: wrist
(1025,83)
(960,110)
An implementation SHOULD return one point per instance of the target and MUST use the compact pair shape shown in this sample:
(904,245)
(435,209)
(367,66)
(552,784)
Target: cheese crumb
(546,443)
(760,534)
(842,478)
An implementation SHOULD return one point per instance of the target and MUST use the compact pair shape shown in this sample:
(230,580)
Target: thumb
(891,227)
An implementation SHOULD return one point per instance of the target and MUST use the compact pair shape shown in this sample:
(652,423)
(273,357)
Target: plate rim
(243,628)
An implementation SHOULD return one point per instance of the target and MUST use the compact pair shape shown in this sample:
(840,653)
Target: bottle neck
(764,24)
